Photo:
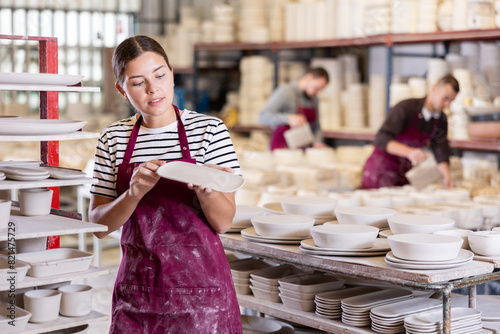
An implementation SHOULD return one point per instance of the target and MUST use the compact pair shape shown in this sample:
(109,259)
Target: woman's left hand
(204,190)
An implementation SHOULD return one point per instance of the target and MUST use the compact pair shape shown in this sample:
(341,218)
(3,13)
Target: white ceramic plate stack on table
(281,229)
(389,319)
(463,321)
(356,310)
(259,325)
(243,215)
(380,247)
(328,304)
(364,215)
(240,272)
(298,292)
(264,282)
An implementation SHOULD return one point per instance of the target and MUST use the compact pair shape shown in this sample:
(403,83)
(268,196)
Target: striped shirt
(208,139)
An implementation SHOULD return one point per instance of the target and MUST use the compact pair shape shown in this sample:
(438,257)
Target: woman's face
(148,83)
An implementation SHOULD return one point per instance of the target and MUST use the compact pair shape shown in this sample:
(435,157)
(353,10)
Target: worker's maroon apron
(278,138)
(386,170)
(174,276)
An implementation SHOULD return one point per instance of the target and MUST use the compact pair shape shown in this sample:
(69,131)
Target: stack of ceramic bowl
(320,208)
(328,304)
(240,272)
(399,92)
(364,215)
(243,215)
(252,23)
(298,291)
(485,243)
(253,325)
(404,16)
(224,23)
(356,310)
(427,16)
(278,229)
(463,320)
(426,251)
(389,319)
(265,281)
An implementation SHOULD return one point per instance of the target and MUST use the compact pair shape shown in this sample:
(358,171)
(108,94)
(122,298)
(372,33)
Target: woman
(174,276)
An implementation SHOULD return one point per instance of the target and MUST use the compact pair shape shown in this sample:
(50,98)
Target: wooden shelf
(49,88)
(231,46)
(350,135)
(64,322)
(12,184)
(465,35)
(305,318)
(77,135)
(30,282)
(44,226)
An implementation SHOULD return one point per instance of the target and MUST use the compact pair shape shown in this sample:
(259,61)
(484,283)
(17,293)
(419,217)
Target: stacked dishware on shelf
(330,112)
(463,321)
(308,20)
(427,16)
(377,17)
(224,18)
(480,14)
(404,19)
(240,273)
(437,68)
(254,324)
(252,22)
(264,282)
(376,101)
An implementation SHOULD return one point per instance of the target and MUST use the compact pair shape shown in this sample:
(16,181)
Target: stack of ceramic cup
(480,14)
(253,22)
(224,23)
(255,88)
(377,17)
(427,16)
(404,16)
(436,69)
(459,15)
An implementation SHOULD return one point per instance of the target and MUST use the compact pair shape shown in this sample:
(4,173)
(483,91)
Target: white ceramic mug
(4,213)
(43,304)
(35,202)
(76,300)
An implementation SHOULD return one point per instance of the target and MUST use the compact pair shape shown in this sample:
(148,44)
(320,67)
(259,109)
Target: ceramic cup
(35,202)
(76,300)
(4,213)
(43,304)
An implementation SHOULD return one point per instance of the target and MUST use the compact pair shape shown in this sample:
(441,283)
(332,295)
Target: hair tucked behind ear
(132,48)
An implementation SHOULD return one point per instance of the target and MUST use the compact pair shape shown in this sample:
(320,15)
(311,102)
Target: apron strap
(186,154)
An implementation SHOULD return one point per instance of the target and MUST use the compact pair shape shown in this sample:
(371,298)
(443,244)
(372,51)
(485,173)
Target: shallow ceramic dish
(425,247)
(57,261)
(272,275)
(198,175)
(272,296)
(310,283)
(263,286)
(76,300)
(259,325)
(344,236)
(21,269)
(31,245)
(242,289)
(309,206)
(243,268)
(462,233)
(35,127)
(485,243)
(250,234)
(282,225)
(408,223)
(22,317)
(298,304)
(40,79)
(35,201)
(364,215)
(243,215)
(43,304)
(63,173)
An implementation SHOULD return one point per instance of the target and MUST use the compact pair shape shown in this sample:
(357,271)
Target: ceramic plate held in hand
(212,178)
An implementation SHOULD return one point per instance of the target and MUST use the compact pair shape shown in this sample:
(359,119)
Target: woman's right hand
(144,178)
(417,156)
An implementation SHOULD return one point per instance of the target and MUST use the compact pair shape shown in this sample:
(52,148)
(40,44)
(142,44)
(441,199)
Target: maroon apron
(278,137)
(174,276)
(386,170)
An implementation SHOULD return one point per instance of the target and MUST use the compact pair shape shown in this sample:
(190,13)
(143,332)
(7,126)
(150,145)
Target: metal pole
(389,78)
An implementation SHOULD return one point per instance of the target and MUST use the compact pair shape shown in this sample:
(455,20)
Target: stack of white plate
(240,272)
(354,105)
(389,319)
(376,101)
(253,22)
(418,87)
(377,17)
(463,321)
(445,15)
(356,310)
(399,92)
(480,14)
(278,229)
(459,15)
(328,304)
(404,19)
(427,16)
(264,282)
(252,324)
(224,23)
(298,291)
(25,173)
(380,247)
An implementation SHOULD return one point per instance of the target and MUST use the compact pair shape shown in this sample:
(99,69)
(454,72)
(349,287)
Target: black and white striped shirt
(208,139)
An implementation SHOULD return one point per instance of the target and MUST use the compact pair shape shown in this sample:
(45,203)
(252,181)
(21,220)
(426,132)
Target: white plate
(340,253)
(24,171)
(63,173)
(425,266)
(27,178)
(463,256)
(258,238)
(374,298)
(34,127)
(430,318)
(385,233)
(406,307)
(212,178)
(378,246)
(39,79)
(250,232)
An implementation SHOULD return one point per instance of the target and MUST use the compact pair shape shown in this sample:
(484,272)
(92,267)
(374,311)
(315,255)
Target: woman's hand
(144,178)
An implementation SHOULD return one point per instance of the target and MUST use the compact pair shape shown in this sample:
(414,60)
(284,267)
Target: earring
(125,96)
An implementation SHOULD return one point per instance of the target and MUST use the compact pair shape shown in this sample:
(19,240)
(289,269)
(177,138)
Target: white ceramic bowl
(485,243)
(283,225)
(4,213)
(35,202)
(76,300)
(364,215)
(43,304)
(425,247)
(309,206)
(344,236)
(464,234)
(244,213)
(408,223)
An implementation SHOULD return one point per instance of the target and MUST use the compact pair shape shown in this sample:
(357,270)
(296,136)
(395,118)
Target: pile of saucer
(278,229)
(389,319)
(380,247)
(277,209)
(264,282)
(356,310)
(240,272)
(24,173)
(253,324)
(328,304)
(464,257)
(463,321)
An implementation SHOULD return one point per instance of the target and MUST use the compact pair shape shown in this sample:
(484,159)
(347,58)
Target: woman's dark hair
(319,72)
(449,80)
(132,48)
